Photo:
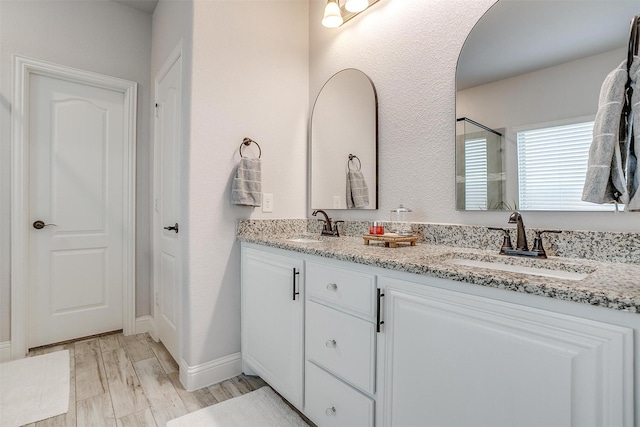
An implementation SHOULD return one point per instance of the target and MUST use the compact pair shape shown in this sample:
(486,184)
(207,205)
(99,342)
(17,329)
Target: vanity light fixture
(332,15)
(356,5)
(337,12)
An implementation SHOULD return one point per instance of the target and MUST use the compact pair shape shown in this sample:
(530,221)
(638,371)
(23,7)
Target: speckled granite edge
(594,245)
(609,285)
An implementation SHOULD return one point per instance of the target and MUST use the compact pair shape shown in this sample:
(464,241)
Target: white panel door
(76,152)
(167,185)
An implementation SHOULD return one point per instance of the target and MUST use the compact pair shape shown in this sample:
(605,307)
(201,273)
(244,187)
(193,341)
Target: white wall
(410,49)
(249,78)
(100,36)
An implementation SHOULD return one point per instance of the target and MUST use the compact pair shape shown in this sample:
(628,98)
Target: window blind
(552,165)
(475,166)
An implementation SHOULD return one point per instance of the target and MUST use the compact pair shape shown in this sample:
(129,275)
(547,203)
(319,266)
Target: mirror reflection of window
(475,166)
(479,173)
(552,165)
(528,62)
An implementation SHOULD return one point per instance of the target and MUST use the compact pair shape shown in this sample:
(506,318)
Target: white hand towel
(246,188)
(357,190)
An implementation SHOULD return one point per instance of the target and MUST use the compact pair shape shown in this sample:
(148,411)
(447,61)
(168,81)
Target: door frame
(23,69)
(175,55)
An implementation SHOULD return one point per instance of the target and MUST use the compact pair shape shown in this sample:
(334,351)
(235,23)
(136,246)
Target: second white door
(168,128)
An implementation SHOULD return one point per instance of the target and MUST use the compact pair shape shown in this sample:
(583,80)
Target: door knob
(172,227)
(38,225)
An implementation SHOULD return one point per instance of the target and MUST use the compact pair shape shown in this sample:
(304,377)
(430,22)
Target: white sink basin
(546,272)
(304,240)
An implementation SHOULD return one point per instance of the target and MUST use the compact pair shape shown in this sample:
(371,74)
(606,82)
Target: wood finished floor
(132,381)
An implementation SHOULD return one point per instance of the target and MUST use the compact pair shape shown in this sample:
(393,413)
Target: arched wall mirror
(531,72)
(343,150)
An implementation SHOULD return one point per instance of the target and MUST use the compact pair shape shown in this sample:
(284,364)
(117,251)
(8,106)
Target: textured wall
(100,36)
(250,78)
(410,49)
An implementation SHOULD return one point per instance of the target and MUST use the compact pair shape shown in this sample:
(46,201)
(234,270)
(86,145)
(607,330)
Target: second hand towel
(246,189)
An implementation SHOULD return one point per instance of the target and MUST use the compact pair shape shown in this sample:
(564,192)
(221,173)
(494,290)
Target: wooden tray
(390,240)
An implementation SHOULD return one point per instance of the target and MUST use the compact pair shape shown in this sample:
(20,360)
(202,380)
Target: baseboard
(146,324)
(213,372)
(5,351)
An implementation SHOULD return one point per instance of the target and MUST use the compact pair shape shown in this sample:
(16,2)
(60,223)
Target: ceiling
(519,36)
(147,6)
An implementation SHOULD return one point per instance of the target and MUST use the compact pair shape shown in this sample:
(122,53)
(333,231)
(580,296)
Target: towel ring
(351,157)
(247,141)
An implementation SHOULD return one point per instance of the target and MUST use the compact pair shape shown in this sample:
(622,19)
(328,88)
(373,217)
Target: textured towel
(633,174)
(357,190)
(246,188)
(606,181)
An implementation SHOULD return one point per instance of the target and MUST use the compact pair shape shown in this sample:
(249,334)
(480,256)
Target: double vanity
(357,335)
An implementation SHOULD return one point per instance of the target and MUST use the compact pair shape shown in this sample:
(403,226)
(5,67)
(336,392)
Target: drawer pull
(331,344)
(330,411)
(295,273)
(379,321)
(332,287)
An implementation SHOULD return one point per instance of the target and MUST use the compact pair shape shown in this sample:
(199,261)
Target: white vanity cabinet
(447,354)
(273,321)
(453,359)
(340,342)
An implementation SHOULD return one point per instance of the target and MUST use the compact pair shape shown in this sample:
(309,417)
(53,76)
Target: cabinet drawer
(342,344)
(347,289)
(330,402)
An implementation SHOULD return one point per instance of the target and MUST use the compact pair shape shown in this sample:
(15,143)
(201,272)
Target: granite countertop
(607,284)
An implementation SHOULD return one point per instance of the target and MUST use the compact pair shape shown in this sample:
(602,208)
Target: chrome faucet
(521,239)
(327,229)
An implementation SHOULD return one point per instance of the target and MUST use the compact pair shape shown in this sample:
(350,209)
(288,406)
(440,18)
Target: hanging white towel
(357,190)
(606,181)
(246,188)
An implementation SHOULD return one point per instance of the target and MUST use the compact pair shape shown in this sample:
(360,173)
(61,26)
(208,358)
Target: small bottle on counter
(376,227)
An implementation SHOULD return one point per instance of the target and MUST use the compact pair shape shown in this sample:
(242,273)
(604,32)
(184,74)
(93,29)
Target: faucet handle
(506,242)
(335,226)
(324,223)
(537,242)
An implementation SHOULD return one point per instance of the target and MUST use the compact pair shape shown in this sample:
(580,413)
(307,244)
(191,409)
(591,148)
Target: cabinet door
(272,320)
(459,360)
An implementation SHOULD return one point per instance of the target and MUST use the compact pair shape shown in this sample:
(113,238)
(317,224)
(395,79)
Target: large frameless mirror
(343,144)
(527,88)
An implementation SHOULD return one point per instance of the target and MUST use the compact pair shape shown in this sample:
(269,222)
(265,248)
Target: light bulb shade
(332,16)
(356,6)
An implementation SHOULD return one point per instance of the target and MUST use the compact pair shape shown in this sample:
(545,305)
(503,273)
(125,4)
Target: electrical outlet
(336,202)
(267,202)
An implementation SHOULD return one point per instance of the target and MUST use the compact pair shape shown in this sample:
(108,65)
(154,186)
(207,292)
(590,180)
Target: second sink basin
(545,268)
(304,240)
